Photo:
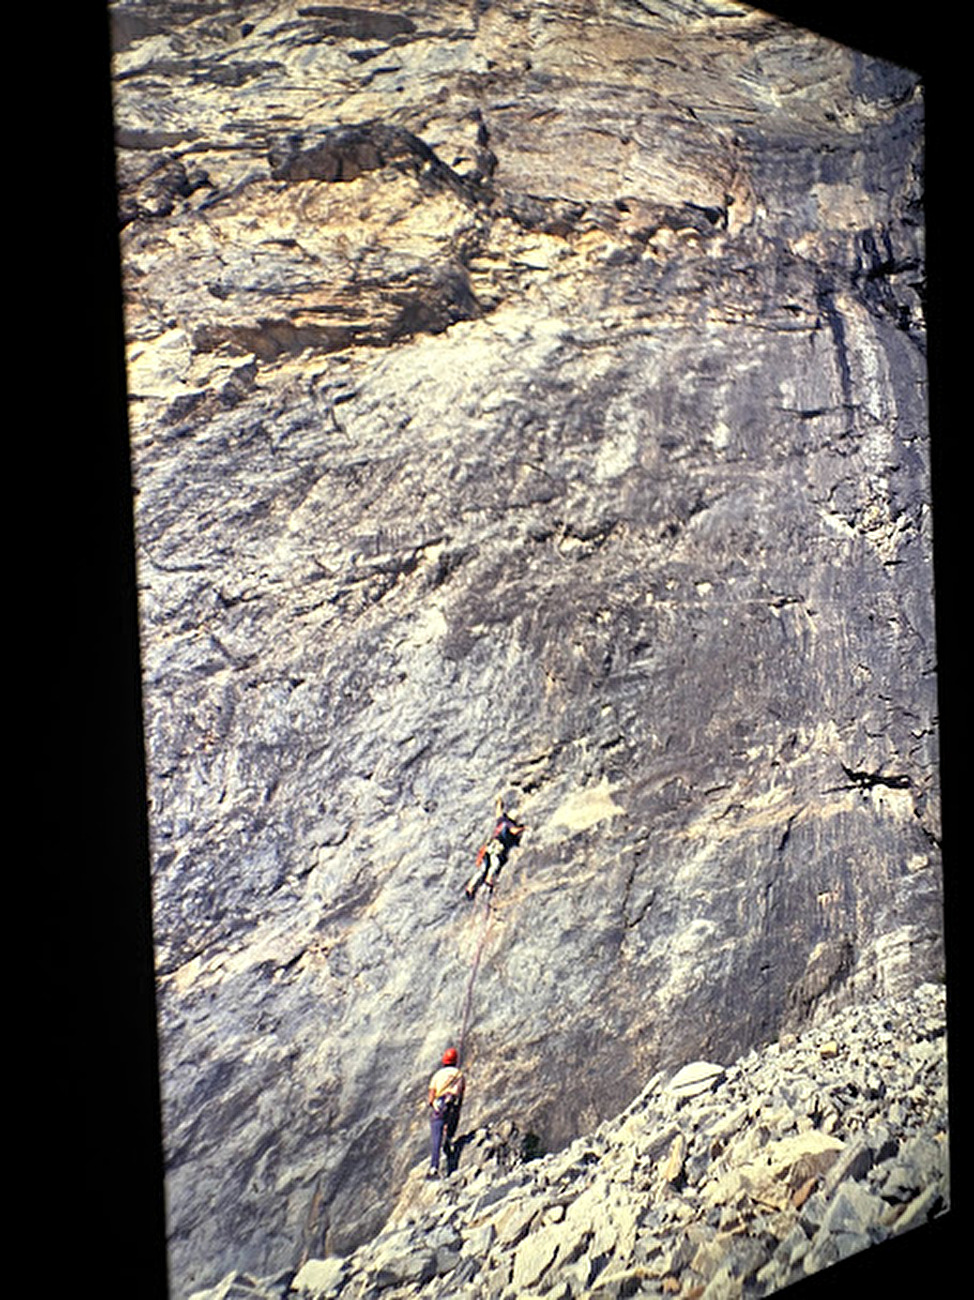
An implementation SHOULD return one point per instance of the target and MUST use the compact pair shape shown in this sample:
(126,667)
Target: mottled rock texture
(525,400)
(793,1159)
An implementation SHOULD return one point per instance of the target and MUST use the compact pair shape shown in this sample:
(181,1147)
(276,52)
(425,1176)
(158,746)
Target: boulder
(786,1164)
(695,1078)
(320,1279)
(534,1257)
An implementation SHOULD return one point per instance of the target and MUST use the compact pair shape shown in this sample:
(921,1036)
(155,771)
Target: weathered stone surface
(320,1278)
(695,1078)
(524,400)
(784,1166)
(534,1257)
(673,1169)
(578,1230)
(854,1161)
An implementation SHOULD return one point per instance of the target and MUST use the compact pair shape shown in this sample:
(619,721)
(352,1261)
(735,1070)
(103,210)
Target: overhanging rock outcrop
(524,402)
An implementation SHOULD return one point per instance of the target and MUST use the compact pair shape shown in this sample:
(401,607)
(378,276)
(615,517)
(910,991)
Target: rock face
(741,1182)
(524,402)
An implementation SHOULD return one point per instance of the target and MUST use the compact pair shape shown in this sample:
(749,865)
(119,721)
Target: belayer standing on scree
(445,1097)
(493,854)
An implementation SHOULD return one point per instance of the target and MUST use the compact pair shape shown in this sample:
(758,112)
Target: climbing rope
(475,966)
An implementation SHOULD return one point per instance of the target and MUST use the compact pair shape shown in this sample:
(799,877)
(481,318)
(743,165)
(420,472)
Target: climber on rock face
(493,854)
(445,1097)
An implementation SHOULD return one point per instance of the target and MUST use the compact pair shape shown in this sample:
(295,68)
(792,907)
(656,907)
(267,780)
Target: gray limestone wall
(527,403)
(716,1181)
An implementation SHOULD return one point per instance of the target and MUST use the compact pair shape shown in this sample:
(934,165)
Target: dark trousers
(442,1129)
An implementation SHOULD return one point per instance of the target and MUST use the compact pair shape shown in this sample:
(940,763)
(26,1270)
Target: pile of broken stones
(716,1182)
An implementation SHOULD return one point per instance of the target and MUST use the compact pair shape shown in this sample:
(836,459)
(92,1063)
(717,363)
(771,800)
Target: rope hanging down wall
(490,859)
(475,966)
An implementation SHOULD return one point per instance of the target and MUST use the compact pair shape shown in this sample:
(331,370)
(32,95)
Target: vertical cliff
(526,402)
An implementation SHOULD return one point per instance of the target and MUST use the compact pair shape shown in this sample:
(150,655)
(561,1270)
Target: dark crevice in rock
(861,780)
(890,281)
(551,215)
(151,139)
(343,153)
(216,71)
(155,194)
(359,24)
(715,216)
(432,301)
(825,299)
(447,564)
(636,919)
(786,834)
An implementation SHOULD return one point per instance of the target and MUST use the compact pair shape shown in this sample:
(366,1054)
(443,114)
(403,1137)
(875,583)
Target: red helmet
(450,1056)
